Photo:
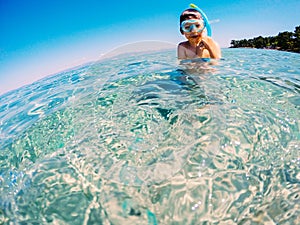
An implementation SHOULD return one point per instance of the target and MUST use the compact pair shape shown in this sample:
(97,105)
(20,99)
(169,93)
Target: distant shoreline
(274,49)
(284,41)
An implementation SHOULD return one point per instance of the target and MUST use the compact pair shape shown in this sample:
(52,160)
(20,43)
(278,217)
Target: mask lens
(192,25)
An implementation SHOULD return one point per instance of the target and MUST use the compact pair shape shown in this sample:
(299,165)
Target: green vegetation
(285,41)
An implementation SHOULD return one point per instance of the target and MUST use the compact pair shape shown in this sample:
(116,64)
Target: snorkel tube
(207,25)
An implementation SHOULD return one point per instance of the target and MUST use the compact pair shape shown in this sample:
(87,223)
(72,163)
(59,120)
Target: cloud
(215,21)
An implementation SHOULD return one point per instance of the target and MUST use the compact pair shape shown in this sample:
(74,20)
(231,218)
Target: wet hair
(189,14)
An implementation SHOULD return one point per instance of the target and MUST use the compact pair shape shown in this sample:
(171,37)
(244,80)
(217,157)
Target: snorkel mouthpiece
(206,23)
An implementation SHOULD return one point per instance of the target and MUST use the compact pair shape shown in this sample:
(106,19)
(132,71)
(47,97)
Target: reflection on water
(143,140)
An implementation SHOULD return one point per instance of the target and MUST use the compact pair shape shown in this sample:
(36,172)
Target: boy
(197,45)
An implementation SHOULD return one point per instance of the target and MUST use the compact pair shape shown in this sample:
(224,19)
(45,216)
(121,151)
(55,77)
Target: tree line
(285,41)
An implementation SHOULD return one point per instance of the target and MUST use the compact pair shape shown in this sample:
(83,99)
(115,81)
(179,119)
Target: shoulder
(183,44)
(181,50)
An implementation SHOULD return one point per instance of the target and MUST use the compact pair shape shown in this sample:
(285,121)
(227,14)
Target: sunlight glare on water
(140,139)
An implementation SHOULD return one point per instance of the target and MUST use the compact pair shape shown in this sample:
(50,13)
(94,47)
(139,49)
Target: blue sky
(42,37)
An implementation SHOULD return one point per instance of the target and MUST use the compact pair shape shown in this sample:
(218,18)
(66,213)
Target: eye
(187,26)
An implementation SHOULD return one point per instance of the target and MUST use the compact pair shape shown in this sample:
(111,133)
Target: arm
(212,47)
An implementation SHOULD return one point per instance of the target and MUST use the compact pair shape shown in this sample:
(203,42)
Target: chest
(197,52)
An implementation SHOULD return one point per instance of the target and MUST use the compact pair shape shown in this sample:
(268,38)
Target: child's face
(192,29)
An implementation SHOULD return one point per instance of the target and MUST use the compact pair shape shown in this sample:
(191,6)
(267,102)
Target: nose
(193,28)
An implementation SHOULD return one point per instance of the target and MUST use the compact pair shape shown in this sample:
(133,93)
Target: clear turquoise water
(142,140)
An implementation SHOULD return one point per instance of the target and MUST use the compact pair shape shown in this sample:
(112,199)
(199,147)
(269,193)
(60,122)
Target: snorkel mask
(194,25)
(205,19)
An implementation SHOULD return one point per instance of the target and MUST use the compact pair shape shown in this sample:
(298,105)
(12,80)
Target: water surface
(140,139)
